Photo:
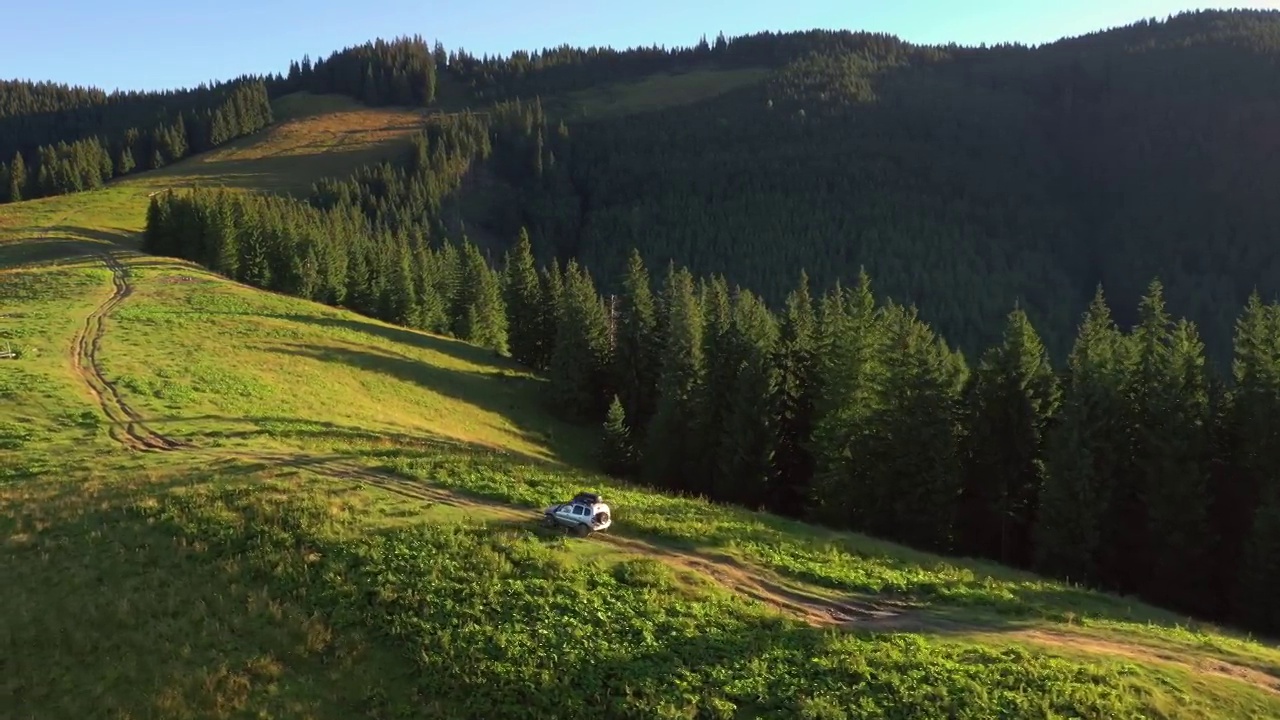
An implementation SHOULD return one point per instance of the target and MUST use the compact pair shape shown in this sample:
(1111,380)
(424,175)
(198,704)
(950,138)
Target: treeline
(56,140)
(375,242)
(1134,468)
(401,71)
(333,257)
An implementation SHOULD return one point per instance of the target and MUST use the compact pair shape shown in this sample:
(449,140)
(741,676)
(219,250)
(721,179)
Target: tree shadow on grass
(457,349)
(511,397)
(42,251)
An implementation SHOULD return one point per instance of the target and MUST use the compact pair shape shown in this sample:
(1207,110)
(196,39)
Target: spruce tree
(1163,529)
(672,447)
(523,294)
(432,310)
(1010,400)
(744,454)
(401,293)
(482,319)
(851,373)
(17,178)
(551,279)
(124,162)
(580,360)
(617,452)
(1252,515)
(912,455)
(1087,451)
(795,396)
(636,356)
(717,386)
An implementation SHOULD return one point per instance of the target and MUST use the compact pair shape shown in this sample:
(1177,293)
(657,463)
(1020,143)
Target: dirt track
(127,427)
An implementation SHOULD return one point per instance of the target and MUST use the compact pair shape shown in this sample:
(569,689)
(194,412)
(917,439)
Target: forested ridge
(963,179)
(1017,383)
(57,139)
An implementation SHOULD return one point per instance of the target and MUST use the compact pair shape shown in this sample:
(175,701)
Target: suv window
(579,510)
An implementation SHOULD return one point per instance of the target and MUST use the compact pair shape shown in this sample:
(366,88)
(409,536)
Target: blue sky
(152,44)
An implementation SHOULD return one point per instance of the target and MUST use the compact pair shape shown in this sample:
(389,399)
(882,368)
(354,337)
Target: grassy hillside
(219,502)
(314,136)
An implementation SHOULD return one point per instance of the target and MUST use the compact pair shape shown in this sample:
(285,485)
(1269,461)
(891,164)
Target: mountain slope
(340,519)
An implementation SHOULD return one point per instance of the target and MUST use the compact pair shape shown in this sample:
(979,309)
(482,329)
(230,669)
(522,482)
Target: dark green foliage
(747,434)
(716,390)
(1088,451)
(580,360)
(636,344)
(617,449)
(479,314)
(17,180)
(794,401)
(397,72)
(851,374)
(79,138)
(523,294)
(1162,504)
(1248,502)
(912,454)
(673,447)
(1010,399)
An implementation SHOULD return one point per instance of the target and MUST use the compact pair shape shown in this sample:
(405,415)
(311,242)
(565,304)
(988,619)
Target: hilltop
(292,394)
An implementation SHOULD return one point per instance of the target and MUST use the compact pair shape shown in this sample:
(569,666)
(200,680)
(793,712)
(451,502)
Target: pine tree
(523,294)
(912,451)
(481,319)
(125,163)
(17,178)
(795,396)
(618,454)
(580,360)
(744,454)
(551,280)
(432,311)
(402,296)
(1087,450)
(1254,505)
(1010,400)
(1165,528)
(717,386)
(671,443)
(851,373)
(636,356)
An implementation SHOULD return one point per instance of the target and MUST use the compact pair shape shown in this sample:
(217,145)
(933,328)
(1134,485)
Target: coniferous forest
(1008,302)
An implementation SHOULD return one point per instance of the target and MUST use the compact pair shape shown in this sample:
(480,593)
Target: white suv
(583,515)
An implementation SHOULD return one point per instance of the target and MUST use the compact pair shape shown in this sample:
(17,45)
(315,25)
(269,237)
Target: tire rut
(127,427)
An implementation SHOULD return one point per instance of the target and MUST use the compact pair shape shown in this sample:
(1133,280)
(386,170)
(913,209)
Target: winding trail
(127,428)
